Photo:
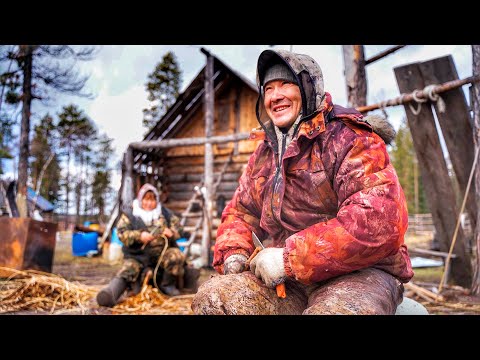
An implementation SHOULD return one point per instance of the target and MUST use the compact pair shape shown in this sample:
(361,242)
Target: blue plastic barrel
(84,243)
(181,243)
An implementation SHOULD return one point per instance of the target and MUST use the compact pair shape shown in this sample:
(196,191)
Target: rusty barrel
(27,244)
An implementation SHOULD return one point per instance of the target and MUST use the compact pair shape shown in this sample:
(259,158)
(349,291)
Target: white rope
(382,106)
(432,95)
(435,97)
(419,103)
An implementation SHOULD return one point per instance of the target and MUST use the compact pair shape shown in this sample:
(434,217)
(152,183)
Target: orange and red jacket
(334,202)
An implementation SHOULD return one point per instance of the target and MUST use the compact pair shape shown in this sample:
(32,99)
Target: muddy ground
(97,271)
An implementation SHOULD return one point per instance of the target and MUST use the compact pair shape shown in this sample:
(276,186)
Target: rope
(432,95)
(419,103)
(430,90)
(383,105)
(165,246)
(447,261)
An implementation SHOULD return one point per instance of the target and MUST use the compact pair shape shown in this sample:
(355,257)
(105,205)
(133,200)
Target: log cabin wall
(184,166)
(176,171)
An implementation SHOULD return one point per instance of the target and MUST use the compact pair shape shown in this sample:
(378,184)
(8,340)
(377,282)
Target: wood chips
(438,304)
(31,290)
(152,302)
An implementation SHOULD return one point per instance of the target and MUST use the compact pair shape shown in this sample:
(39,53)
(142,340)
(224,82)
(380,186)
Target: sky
(118,74)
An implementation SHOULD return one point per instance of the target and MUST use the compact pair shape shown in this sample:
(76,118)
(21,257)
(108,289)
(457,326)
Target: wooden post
(127,194)
(433,169)
(475,105)
(455,124)
(237,108)
(355,76)
(209,118)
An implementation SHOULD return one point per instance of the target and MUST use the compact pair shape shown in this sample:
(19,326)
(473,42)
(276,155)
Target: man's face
(283,102)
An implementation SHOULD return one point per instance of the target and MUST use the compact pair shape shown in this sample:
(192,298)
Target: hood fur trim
(381,127)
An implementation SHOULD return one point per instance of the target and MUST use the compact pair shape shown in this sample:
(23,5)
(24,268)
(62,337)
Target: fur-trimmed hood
(382,127)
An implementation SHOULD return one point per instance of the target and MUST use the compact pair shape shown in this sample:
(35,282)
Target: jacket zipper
(277,171)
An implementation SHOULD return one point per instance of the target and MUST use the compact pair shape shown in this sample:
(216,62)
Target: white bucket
(115,253)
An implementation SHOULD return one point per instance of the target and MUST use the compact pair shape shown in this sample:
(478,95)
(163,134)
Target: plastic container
(84,244)
(115,239)
(115,253)
(181,243)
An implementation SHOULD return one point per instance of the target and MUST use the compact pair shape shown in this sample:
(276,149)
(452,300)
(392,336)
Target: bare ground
(96,272)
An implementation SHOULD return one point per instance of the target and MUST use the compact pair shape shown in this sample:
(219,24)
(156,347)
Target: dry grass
(36,291)
(152,302)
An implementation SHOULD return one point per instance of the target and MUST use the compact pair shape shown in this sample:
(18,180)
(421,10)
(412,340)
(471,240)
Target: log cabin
(176,171)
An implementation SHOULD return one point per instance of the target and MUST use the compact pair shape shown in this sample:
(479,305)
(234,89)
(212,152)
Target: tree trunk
(476,138)
(355,75)
(26,52)
(67,185)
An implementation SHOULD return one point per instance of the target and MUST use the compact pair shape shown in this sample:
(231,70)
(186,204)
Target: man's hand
(268,266)
(234,264)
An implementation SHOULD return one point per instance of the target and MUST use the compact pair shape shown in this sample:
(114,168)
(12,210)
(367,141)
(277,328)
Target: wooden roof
(187,103)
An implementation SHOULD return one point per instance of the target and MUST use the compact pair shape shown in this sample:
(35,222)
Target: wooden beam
(421,94)
(433,168)
(384,53)
(127,194)
(430,253)
(168,143)
(455,124)
(355,76)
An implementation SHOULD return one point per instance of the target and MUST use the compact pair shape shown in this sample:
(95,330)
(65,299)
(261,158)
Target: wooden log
(455,124)
(355,76)
(227,186)
(420,290)
(169,143)
(232,168)
(434,172)
(408,97)
(430,253)
(196,178)
(200,160)
(127,194)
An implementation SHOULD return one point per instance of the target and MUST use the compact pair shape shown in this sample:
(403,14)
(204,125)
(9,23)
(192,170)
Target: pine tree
(102,178)
(163,88)
(33,72)
(74,127)
(44,167)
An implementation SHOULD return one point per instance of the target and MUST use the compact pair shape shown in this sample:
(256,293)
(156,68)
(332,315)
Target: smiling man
(321,191)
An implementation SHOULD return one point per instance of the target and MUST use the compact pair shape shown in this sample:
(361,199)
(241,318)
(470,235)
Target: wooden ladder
(198,199)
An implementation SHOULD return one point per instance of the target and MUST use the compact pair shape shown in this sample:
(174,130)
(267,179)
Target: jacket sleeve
(175,226)
(372,215)
(240,217)
(126,233)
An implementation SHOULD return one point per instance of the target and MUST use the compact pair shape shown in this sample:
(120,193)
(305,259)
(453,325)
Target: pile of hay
(31,290)
(153,302)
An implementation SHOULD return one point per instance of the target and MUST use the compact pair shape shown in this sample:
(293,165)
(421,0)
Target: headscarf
(148,216)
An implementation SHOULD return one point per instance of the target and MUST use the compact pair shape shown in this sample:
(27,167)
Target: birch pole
(209,118)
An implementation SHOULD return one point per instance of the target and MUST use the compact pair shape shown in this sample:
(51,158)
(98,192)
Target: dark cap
(279,71)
